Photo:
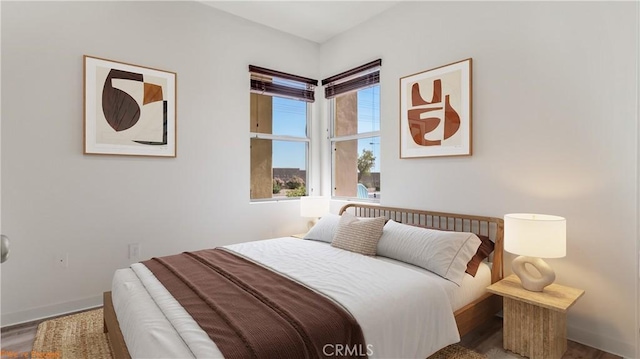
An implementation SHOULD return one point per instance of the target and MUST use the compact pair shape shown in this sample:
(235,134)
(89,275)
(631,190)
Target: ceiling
(317,21)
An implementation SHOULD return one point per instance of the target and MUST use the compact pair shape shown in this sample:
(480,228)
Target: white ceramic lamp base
(529,280)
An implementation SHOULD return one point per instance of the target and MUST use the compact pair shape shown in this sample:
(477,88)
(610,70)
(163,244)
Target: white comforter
(403,312)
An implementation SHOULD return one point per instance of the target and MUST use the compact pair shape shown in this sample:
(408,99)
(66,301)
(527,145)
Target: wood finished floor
(485,340)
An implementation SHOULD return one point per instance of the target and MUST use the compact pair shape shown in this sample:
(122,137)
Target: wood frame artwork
(128,109)
(467,318)
(435,112)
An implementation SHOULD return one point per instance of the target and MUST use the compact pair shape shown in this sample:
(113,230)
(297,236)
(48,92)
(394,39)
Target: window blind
(355,79)
(275,83)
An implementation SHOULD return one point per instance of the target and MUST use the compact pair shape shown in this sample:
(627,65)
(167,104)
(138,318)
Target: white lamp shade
(535,235)
(314,206)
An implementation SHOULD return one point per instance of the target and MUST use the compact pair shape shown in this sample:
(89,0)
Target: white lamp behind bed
(313,207)
(534,236)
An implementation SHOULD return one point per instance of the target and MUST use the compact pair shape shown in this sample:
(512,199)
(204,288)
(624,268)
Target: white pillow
(325,229)
(441,252)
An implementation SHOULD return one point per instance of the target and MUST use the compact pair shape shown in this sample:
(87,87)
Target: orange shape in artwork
(419,127)
(451,119)
(152,93)
(416,98)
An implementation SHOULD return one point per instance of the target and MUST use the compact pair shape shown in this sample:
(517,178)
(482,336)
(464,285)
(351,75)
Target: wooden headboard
(491,227)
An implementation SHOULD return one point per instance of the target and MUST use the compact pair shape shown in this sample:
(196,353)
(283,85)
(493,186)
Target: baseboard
(7,319)
(602,342)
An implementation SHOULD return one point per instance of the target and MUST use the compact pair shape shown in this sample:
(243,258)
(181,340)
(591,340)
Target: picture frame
(440,125)
(128,109)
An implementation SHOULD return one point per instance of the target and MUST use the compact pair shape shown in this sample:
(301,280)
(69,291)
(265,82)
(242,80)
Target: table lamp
(313,207)
(532,237)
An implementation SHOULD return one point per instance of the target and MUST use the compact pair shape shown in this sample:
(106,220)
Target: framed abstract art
(435,112)
(128,109)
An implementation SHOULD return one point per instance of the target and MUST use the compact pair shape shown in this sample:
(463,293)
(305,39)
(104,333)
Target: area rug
(73,336)
(80,336)
(456,351)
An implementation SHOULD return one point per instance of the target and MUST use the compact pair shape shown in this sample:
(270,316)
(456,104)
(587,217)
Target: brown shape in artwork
(416,98)
(120,109)
(451,119)
(415,113)
(152,93)
(421,127)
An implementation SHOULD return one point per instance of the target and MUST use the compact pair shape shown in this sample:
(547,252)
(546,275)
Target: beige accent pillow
(359,235)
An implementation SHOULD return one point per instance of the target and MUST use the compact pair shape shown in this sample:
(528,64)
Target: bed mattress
(397,305)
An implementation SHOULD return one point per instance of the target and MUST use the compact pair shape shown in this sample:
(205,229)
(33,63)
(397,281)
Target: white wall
(555,131)
(57,200)
(555,128)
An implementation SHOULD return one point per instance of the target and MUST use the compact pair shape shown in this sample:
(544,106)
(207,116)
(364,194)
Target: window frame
(333,139)
(289,138)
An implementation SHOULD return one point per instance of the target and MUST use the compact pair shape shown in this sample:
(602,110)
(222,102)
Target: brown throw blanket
(252,312)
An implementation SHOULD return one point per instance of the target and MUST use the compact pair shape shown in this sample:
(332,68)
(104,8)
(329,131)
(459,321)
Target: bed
(142,303)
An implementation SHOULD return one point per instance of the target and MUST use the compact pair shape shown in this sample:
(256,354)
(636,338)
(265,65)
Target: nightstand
(299,235)
(535,323)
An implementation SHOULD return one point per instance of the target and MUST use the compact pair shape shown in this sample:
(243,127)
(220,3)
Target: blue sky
(289,118)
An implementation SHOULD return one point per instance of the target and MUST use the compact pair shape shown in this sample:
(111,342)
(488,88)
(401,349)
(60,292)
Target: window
(279,135)
(355,131)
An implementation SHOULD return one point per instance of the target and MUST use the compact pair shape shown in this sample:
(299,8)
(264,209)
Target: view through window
(355,132)
(279,136)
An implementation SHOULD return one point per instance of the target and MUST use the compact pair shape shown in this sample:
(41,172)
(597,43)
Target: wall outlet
(134,251)
(62,260)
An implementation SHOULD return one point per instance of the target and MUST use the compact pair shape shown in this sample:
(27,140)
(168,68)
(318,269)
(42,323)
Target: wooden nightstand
(535,323)
(299,235)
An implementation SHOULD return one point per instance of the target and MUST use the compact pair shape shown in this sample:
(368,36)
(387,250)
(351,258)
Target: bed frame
(482,309)
(467,318)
